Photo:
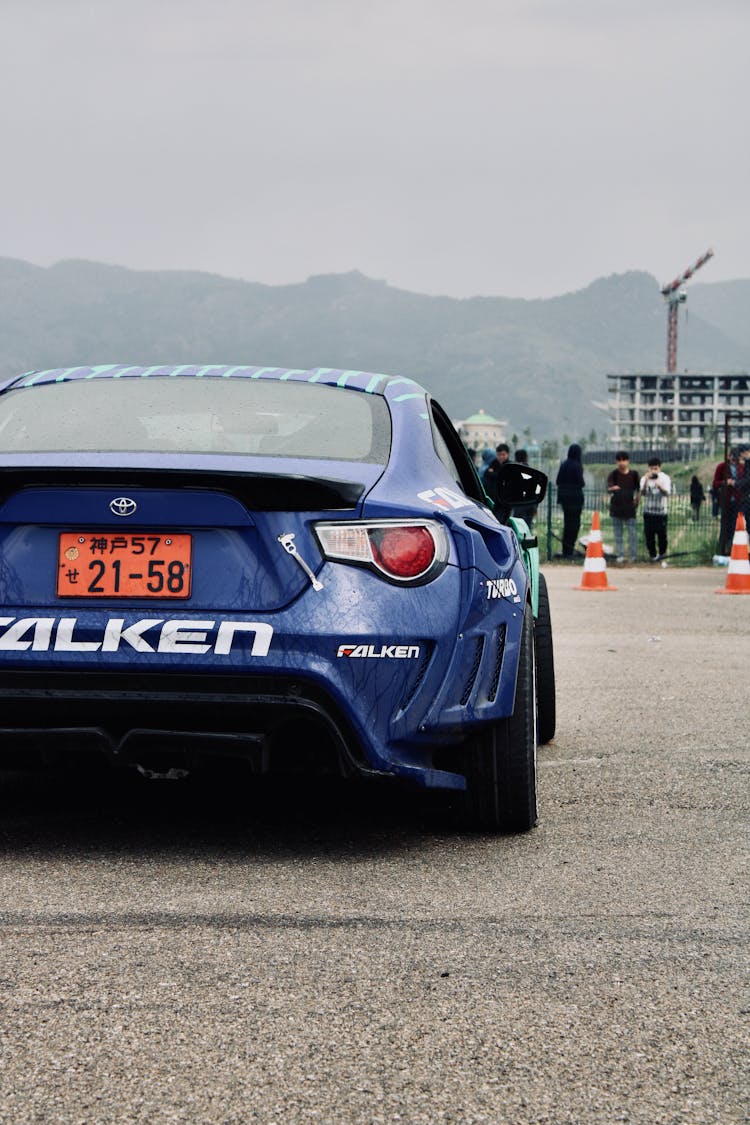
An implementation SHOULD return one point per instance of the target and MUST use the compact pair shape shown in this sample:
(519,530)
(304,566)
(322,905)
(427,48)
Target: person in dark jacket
(697,496)
(725,488)
(743,487)
(570,497)
(623,484)
(488,457)
(489,480)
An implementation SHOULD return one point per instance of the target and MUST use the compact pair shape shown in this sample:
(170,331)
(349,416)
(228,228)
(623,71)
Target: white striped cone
(738,573)
(594,575)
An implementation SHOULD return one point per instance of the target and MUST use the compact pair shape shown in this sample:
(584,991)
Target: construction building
(684,411)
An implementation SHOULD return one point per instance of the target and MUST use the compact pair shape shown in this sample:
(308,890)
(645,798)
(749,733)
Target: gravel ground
(339,954)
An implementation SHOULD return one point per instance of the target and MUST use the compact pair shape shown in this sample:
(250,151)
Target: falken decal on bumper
(384,652)
(50,634)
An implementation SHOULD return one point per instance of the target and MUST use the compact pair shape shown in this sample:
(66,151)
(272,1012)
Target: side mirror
(520,484)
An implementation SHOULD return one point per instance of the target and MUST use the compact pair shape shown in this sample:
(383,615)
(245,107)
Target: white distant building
(650,410)
(481,431)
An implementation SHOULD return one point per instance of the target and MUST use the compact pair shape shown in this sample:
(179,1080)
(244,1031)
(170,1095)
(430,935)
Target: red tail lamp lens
(404,552)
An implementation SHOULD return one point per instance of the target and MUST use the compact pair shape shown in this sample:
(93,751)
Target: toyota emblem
(122,506)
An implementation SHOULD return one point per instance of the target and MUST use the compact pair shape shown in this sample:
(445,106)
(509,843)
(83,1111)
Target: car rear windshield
(241,416)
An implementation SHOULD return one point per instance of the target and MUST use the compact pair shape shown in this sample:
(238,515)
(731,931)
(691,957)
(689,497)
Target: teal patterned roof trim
(368,382)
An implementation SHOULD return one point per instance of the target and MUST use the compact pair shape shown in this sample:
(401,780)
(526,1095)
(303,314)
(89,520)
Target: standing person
(489,480)
(655,489)
(623,485)
(486,460)
(743,482)
(697,496)
(725,488)
(569,483)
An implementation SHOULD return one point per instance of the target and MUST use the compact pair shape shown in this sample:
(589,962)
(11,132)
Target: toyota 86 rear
(213,562)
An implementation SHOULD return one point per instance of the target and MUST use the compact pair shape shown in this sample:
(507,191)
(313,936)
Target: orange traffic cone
(594,565)
(738,575)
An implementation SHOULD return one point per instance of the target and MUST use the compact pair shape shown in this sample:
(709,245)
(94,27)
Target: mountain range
(539,364)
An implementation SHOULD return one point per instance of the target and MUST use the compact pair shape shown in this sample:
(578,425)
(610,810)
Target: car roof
(395,388)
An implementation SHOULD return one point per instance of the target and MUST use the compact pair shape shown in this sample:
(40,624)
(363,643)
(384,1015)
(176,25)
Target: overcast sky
(517,148)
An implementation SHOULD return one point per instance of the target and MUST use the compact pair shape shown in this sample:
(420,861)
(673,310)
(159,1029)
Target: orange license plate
(100,564)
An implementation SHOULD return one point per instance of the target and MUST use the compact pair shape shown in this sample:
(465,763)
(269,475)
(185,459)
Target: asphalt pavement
(174,952)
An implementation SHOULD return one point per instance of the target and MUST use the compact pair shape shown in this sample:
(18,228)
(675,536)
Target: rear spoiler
(260,492)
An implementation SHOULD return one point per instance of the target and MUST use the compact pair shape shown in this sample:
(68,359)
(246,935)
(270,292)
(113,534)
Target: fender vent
(421,672)
(500,643)
(474,670)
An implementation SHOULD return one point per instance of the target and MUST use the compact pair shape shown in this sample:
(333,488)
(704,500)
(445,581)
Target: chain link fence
(693,532)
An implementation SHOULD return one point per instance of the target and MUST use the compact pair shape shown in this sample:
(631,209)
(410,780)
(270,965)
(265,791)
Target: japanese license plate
(100,564)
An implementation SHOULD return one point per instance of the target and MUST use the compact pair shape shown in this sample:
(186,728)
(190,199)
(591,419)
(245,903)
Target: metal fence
(640,454)
(693,539)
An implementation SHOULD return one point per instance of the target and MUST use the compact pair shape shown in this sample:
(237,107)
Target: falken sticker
(384,652)
(502,588)
(444,498)
(50,634)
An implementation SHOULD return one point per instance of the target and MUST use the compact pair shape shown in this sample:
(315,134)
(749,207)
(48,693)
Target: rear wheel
(545,667)
(500,760)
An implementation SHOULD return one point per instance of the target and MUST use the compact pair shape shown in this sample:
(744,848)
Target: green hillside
(537,363)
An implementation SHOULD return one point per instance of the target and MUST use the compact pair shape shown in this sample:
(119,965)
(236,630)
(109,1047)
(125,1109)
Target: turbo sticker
(502,588)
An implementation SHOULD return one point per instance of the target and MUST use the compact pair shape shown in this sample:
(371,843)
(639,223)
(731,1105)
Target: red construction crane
(674,296)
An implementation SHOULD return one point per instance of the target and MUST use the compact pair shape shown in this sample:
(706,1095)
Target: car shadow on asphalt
(107,812)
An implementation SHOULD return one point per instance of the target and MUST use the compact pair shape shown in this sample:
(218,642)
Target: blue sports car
(272,565)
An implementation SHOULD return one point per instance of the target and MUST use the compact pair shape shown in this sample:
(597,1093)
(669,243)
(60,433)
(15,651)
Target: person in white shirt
(655,489)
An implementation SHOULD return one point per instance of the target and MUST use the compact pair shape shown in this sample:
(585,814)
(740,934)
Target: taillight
(405,552)
(401,550)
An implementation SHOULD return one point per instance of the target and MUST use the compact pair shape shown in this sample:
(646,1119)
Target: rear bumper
(132,719)
(386,699)
(167,724)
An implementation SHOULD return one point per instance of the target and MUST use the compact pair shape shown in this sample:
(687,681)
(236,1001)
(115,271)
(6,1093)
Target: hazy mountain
(537,363)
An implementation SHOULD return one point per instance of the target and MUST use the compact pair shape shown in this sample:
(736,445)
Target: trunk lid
(229,518)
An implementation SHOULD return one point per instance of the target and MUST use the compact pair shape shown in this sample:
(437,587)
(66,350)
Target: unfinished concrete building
(687,411)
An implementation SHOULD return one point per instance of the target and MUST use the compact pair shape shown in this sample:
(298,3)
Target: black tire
(500,759)
(545,667)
